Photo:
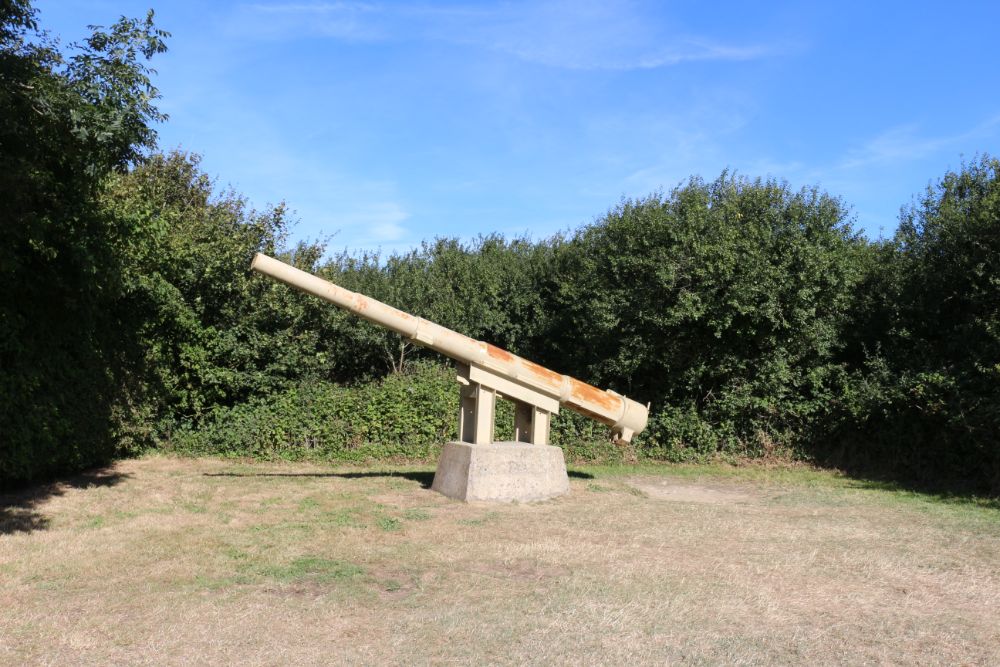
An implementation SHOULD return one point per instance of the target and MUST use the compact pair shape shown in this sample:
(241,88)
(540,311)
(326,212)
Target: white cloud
(685,143)
(904,143)
(378,222)
(382,213)
(878,174)
(389,231)
(347,21)
(593,36)
(558,33)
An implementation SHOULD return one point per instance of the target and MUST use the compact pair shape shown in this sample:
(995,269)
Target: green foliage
(407,415)
(209,333)
(750,315)
(927,402)
(68,122)
(486,290)
(724,303)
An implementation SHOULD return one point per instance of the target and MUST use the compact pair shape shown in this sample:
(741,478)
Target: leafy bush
(751,315)
(926,403)
(68,122)
(406,415)
(486,289)
(403,415)
(723,303)
(209,334)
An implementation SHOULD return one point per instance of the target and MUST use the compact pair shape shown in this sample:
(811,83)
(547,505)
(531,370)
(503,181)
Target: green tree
(209,334)
(486,289)
(926,405)
(68,123)
(724,303)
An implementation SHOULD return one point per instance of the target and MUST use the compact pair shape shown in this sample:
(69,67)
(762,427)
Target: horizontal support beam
(508,388)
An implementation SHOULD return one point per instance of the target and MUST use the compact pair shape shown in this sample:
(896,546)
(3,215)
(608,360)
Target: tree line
(752,315)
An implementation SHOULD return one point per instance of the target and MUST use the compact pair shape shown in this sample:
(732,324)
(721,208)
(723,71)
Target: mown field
(186,561)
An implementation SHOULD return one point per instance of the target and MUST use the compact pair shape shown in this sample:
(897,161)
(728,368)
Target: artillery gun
(477,468)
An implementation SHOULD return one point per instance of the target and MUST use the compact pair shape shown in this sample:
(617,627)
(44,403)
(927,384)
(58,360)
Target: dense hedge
(723,303)
(406,415)
(750,314)
(925,401)
(65,344)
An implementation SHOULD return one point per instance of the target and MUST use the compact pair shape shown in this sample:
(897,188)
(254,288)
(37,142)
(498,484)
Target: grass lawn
(186,561)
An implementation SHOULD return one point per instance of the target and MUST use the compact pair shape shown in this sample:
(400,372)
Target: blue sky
(385,123)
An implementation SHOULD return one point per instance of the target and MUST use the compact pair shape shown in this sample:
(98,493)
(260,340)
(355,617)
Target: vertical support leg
(531,424)
(539,426)
(486,400)
(522,422)
(467,412)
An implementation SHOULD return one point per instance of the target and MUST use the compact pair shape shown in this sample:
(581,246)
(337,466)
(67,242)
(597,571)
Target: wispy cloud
(685,143)
(329,200)
(360,220)
(558,33)
(863,174)
(590,36)
(379,222)
(905,142)
(347,21)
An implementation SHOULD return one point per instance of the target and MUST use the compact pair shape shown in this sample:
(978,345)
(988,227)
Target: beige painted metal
(625,416)
(531,423)
(481,388)
(477,413)
(510,389)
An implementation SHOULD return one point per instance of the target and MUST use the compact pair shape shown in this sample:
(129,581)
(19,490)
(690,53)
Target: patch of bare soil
(688,492)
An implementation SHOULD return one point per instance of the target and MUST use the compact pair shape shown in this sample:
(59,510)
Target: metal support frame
(479,391)
(531,424)
(477,415)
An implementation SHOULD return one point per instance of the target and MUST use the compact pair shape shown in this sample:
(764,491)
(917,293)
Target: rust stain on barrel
(551,377)
(497,353)
(398,313)
(590,394)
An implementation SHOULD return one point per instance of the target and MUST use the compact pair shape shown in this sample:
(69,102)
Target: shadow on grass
(424,479)
(19,509)
(916,473)
(944,491)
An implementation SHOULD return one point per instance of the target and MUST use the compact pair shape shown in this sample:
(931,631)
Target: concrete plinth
(502,472)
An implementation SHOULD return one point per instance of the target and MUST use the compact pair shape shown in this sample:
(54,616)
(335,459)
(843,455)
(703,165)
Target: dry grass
(167,561)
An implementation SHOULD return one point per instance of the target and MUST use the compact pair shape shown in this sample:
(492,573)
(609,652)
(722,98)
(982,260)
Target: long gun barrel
(625,416)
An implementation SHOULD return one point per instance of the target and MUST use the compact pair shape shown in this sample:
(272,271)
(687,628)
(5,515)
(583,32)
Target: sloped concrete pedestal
(501,472)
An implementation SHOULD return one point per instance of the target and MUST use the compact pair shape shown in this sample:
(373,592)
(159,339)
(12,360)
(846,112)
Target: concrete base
(501,472)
